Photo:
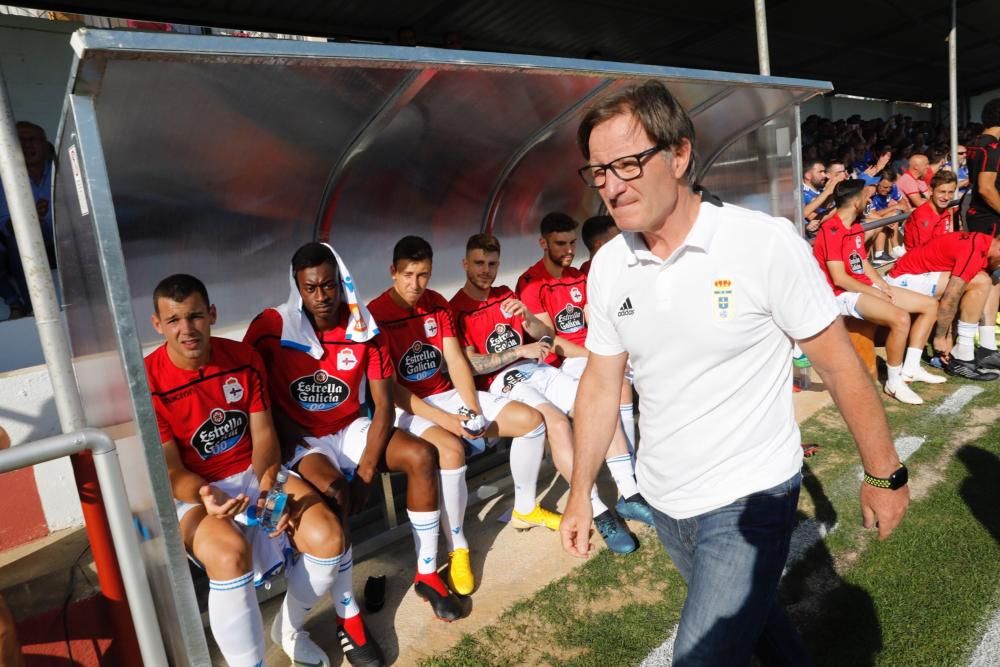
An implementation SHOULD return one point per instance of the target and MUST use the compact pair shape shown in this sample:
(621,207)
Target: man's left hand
(883,508)
(361,487)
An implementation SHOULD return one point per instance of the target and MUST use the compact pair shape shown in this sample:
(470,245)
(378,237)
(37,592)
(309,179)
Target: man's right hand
(455,424)
(942,345)
(883,508)
(220,505)
(574,529)
(535,351)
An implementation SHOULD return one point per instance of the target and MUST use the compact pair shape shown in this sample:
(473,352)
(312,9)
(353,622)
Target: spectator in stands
(887,201)
(596,231)
(934,217)
(984,203)
(38,159)
(953,268)
(963,169)
(911,183)
(720,454)
(818,182)
(862,293)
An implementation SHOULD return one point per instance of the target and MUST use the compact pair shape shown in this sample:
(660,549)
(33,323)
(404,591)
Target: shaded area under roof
(892,49)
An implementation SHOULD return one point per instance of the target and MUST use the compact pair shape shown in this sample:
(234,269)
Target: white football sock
(454,498)
(234,616)
(893,375)
(597,507)
(623,472)
(525,458)
(425,527)
(627,412)
(965,343)
(911,362)
(988,337)
(342,590)
(308,580)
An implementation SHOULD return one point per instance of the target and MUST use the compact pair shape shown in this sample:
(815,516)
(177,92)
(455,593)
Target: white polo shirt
(708,332)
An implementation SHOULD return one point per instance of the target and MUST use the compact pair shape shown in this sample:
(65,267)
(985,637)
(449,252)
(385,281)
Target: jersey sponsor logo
(503,337)
(346,359)
(722,297)
(430,327)
(220,432)
(626,308)
(854,259)
(511,379)
(420,362)
(319,392)
(575,294)
(232,390)
(569,319)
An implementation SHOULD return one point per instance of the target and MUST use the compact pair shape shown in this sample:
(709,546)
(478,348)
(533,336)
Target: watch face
(899,478)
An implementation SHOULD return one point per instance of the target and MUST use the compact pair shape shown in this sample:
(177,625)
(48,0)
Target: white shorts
(921,283)
(270,556)
(536,384)
(573,367)
(343,448)
(848,304)
(449,401)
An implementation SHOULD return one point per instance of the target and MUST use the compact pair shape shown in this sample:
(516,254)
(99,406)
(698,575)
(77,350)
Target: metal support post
(59,360)
(133,572)
(763,55)
(953,84)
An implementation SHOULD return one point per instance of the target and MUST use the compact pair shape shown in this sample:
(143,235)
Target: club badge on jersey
(576,294)
(722,298)
(319,392)
(220,432)
(430,327)
(232,390)
(346,359)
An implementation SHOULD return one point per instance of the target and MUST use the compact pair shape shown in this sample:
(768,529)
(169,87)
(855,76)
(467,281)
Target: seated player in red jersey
(595,232)
(222,454)
(323,353)
(932,218)
(862,293)
(556,294)
(493,324)
(439,401)
(953,268)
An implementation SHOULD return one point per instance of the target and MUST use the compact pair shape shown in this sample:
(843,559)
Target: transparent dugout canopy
(219,156)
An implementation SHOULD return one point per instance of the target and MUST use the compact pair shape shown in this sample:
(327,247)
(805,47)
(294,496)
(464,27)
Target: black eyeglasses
(626,168)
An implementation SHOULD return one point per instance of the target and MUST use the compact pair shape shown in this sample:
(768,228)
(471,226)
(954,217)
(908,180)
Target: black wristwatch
(894,481)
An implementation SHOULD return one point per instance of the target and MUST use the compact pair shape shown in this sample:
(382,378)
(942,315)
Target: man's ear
(211,315)
(155,319)
(682,158)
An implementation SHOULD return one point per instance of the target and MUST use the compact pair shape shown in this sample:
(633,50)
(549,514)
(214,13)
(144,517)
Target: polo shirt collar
(699,238)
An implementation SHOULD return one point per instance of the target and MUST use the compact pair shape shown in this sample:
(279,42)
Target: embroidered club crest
(722,298)
(576,295)
(346,360)
(232,390)
(430,327)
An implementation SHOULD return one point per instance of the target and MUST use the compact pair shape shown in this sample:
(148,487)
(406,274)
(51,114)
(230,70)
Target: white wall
(835,107)
(977,102)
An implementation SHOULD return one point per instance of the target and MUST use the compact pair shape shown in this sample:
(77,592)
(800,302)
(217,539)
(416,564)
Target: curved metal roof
(893,49)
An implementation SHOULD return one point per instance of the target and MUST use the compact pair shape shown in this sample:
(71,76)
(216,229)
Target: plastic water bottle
(801,364)
(274,505)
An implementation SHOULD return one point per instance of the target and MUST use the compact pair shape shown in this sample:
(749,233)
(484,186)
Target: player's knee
(980,281)
(422,460)
(321,535)
(900,321)
(227,557)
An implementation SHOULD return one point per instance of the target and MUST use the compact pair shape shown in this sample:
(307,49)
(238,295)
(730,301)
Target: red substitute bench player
(442,408)
(953,269)
(933,218)
(221,450)
(862,293)
(323,354)
(493,323)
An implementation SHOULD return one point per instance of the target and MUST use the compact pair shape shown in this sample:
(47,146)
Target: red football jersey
(924,224)
(585,267)
(482,325)
(535,272)
(416,340)
(963,254)
(563,300)
(207,411)
(324,395)
(836,243)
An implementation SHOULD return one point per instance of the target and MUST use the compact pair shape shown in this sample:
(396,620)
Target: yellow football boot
(536,517)
(460,572)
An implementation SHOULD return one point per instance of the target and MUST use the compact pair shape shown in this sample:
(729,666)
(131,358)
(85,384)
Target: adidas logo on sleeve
(626,308)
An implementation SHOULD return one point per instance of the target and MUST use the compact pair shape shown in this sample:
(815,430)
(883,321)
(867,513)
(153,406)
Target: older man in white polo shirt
(706,299)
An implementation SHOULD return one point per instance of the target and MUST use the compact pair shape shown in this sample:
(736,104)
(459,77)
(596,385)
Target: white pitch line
(958,400)
(662,655)
(987,654)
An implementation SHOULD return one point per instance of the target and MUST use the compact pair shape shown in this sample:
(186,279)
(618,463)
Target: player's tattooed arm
(483,364)
(948,306)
